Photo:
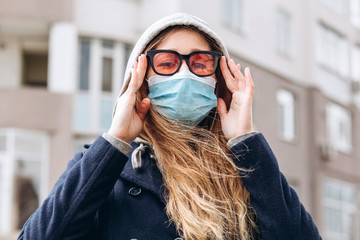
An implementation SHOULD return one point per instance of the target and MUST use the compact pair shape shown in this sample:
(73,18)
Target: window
(355,12)
(128,49)
(339,127)
(283,32)
(23,181)
(339,6)
(100,73)
(339,210)
(355,63)
(80,142)
(106,99)
(233,14)
(286,109)
(82,101)
(84,64)
(106,108)
(2,143)
(332,51)
(107,66)
(82,113)
(4,198)
(35,69)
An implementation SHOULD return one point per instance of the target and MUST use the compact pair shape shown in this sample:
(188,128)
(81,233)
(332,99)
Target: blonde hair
(205,195)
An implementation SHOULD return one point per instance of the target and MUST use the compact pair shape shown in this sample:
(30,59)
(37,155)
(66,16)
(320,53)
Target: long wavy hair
(205,195)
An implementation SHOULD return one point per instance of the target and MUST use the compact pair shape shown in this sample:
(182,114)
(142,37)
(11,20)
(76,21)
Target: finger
(229,79)
(249,81)
(133,79)
(221,107)
(239,66)
(224,68)
(143,108)
(236,72)
(141,70)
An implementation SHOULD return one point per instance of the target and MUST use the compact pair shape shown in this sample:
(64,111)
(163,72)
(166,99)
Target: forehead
(184,41)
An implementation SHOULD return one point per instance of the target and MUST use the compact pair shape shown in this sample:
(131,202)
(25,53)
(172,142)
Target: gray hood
(162,24)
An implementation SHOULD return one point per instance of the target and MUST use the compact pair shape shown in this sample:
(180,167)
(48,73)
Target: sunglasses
(168,62)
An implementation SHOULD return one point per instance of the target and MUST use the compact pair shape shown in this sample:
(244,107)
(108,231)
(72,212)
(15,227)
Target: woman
(181,158)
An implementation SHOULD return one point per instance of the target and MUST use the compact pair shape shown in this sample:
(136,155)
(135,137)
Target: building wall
(340,166)
(332,85)
(37,109)
(10,64)
(37,113)
(343,165)
(293,156)
(37,10)
(259,32)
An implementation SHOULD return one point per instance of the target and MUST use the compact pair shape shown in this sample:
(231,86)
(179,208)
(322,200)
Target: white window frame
(94,95)
(355,12)
(338,6)
(343,201)
(355,63)
(283,32)
(8,159)
(286,114)
(332,50)
(234,14)
(339,127)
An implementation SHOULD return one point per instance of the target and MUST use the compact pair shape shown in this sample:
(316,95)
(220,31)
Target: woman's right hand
(127,123)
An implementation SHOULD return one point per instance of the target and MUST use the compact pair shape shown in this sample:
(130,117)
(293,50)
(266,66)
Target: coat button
(134,191)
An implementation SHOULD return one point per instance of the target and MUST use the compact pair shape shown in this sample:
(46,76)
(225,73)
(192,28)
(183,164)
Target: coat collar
(148,176)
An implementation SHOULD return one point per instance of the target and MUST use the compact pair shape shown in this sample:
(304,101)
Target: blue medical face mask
(183,96)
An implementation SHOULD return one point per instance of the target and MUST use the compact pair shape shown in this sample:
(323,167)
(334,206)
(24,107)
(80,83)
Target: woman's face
(184,42)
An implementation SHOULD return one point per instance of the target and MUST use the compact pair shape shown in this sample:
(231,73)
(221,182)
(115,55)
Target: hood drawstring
(136,156)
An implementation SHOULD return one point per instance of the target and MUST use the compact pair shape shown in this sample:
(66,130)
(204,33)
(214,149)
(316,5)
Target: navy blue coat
(100,196)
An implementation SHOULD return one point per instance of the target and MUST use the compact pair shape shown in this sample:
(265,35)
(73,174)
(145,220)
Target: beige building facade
(61,68)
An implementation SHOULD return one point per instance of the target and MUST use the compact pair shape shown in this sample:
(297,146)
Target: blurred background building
(61,68)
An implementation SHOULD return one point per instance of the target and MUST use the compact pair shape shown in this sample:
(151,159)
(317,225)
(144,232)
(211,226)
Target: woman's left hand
(238,120)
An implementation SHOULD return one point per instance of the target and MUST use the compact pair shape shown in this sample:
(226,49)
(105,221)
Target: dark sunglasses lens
(165,62)
(203,64)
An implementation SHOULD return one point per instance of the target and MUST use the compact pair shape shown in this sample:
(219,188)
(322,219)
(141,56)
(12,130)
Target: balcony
(37,10)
